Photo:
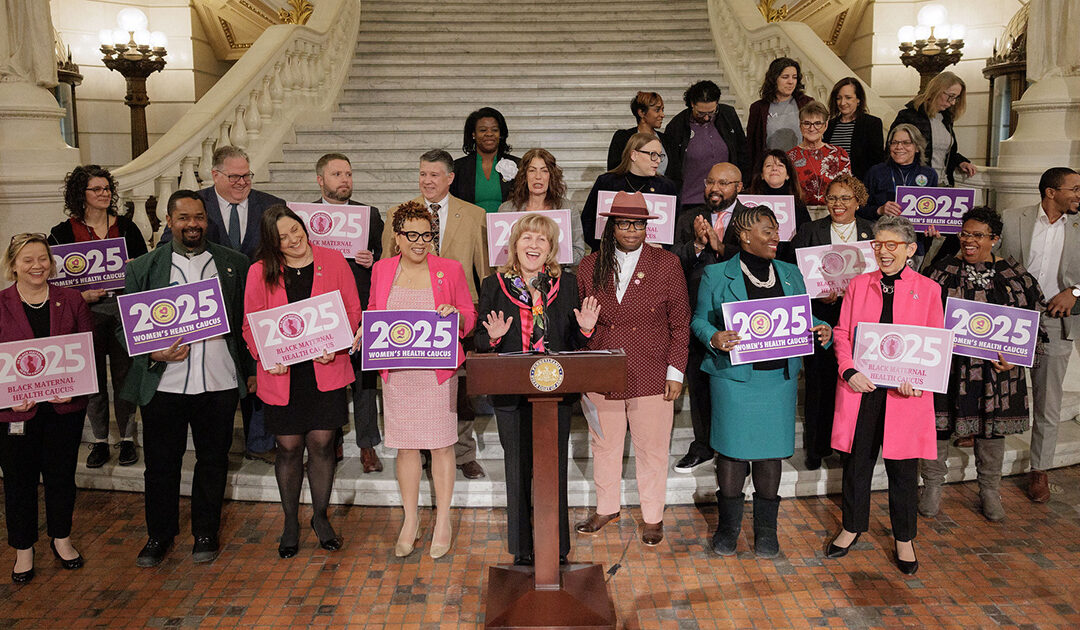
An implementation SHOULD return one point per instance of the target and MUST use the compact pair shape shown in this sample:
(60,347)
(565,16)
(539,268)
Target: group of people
(661,305)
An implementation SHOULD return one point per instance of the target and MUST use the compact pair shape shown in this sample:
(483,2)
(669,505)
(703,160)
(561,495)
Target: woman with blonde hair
(539,185)
(532,305)
(933,112)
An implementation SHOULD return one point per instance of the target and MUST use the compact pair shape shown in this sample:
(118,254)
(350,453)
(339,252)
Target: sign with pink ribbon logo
(42,369)
(783,206)
(342,227)
(500,224)
(891,354)
(940,207)
(829,268)
(661,231)
(302,330)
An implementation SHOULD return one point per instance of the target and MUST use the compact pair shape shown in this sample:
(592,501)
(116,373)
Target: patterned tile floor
(1022,573)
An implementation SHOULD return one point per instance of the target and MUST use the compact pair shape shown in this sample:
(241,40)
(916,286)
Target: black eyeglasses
(628,224)
(812,124)
(653,155)
(705,115)
(427,237)
(236,179)
(97,190)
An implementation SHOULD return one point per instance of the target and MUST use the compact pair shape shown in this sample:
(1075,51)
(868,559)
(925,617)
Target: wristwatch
(1076,292)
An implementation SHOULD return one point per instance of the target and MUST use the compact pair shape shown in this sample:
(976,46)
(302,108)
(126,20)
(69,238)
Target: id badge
(16,428)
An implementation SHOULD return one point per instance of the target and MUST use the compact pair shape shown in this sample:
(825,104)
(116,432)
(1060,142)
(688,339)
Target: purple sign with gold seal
(302,330)
(90,264)
(406,339)
(770,328)
(43,369)
(154,319)
(982,330)
(939,207)
(891,354)
(341,227)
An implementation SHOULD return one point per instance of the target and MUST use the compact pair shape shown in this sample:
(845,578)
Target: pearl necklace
(839,232)
(767,284)
(40,304)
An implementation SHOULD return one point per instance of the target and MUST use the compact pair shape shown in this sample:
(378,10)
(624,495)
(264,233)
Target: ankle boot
(765,543)
(933,475)
(989,454)
(729,523)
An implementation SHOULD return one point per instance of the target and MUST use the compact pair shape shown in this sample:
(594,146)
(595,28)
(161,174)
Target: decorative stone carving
(27,44)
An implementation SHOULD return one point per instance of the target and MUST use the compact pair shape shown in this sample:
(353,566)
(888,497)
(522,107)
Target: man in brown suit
(461,234)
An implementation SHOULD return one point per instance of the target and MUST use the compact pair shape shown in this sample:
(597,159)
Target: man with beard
(196,385)
(333,172)
(701,239)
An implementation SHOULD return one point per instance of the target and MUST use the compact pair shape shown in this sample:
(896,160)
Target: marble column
(33,155)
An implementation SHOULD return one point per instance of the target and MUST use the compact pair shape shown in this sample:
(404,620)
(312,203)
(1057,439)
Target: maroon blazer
(68,313)
(651,324)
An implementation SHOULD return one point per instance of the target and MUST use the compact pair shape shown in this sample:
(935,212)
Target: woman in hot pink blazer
(420,406)
(305,404)
(900,421)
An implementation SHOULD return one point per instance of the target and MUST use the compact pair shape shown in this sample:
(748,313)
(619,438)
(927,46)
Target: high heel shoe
(907,567)
(70,565)
(832,550)
(22,577)
(330,544)
(439,550)
(402,550)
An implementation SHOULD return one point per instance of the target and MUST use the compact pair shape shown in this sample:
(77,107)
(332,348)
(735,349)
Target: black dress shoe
(812,462)
(563,561)
(689,462)
(526,560)
(22,577)
(835,551)
(287,551)
(330,544)
(70,565)
(906,567)
(99,454)
(128,455)
(153,552)
(205,549)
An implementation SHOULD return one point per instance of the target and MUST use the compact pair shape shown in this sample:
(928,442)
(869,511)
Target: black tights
(289,469)
(731,476)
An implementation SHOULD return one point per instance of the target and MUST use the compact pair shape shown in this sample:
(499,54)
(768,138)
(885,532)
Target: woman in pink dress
(420,406)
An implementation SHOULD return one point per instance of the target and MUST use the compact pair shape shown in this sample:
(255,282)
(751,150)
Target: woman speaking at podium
(532,305)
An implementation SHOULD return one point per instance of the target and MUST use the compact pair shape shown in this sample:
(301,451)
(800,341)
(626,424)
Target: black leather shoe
(70,565)
(22,577)
(287,551)
(906,567)
(812,462)
(526,560)
(153,552)
(205,549)
(835,551)
(99,454)
(564,561)
(128,455)
(330,544)
(689,462)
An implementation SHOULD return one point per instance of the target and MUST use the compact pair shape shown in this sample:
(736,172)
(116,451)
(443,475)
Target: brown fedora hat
(629,206)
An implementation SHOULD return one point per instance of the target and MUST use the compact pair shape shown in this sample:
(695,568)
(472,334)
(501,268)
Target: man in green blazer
(196,385)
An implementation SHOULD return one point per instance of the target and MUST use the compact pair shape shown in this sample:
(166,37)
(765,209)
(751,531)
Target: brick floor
(1022,573)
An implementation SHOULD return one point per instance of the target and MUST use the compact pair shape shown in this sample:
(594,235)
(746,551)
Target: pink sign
(341,227)
(783,206)
(660,230)
(302,330)
(499,225)
(890,354)
(39,370)
(829,268)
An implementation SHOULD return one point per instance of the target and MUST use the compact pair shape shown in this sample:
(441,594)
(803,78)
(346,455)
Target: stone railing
(290,73)
(746,44)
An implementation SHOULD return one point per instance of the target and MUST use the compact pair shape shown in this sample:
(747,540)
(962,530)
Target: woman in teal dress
(753,413)
(485,175)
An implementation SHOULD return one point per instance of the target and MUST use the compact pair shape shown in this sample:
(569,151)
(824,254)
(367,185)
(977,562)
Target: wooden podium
(545,596)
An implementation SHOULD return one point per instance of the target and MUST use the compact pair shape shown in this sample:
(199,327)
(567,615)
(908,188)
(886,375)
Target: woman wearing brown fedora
(644,310)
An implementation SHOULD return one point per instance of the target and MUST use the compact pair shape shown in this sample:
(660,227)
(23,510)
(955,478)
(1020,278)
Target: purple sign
(660,230)
(90,264)
(50,367)
(299,331)
(500,224)
(342,227)
(982,330)
(783,206)
(409,339)
(829,268)
(940,207)
(890,354)
(154,319)
(770,328)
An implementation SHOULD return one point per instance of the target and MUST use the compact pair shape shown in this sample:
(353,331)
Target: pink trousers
(649,419)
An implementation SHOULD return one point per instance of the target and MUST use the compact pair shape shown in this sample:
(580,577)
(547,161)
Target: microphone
(542,283)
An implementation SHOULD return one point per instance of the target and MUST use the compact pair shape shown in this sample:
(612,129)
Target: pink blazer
(448,286)
(909,422)
(331,272)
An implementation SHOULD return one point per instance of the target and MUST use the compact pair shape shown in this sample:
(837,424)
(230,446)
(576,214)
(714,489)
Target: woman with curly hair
(90,198)
(538,186)
(774,118)
(483,176)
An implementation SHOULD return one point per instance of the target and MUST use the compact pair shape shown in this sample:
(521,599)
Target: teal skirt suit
(753,413)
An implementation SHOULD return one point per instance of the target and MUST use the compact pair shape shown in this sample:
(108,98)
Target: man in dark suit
(701,239)
(191,384)
(333,172)
(234,213)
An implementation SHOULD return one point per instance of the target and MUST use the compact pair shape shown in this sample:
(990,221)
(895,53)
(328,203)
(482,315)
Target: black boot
(729,522)
(765,543)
